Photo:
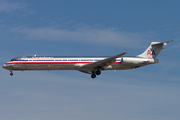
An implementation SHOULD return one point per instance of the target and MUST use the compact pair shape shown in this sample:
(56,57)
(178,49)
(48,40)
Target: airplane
(89,65)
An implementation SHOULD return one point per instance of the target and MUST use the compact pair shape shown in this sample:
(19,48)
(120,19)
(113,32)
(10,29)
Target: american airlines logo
(151,52)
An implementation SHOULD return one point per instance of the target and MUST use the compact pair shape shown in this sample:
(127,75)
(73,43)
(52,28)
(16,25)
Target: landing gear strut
(11,74)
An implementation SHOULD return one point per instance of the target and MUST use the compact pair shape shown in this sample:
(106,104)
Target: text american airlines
(90,65)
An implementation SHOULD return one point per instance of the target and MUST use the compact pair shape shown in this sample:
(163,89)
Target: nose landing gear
(11,74)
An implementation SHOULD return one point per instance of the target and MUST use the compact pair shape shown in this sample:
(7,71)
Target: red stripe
(52,62)
(47,62)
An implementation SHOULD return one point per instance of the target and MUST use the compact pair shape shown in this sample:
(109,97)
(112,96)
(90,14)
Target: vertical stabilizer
(154,49)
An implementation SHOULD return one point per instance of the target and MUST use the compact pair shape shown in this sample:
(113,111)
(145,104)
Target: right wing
(88,68)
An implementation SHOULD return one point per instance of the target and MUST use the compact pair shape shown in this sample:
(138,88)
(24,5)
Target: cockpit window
(14,59)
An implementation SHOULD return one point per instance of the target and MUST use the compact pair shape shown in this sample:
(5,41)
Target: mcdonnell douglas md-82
(90,65)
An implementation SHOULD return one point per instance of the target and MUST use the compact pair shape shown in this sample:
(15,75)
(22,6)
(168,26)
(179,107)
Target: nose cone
(7,66)
(4,66)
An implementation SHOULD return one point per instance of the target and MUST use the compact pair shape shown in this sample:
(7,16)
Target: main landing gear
(93,75)
(11,74)
(98,72)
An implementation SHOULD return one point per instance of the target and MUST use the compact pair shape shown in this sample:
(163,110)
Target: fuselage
(63,63)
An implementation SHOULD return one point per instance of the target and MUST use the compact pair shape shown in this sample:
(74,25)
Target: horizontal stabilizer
(164,42)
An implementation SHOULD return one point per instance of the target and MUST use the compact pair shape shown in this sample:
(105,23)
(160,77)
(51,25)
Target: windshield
(14,59)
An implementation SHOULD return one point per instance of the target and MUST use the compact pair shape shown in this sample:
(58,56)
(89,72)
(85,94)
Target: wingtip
(126,52)
(172,40)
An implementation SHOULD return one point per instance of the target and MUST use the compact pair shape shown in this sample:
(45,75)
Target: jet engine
(137,61)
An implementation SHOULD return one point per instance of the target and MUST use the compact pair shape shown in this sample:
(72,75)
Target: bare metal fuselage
(61,63)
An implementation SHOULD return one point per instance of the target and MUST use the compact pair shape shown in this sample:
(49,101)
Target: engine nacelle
(137,61)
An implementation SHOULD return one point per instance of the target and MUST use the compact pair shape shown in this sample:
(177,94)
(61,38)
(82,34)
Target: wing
(88,68)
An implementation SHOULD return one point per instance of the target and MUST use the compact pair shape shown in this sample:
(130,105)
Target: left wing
(88,68)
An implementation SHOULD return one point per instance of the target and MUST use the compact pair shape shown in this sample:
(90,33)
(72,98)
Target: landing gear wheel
(98,72)
(11,74)
(93,76)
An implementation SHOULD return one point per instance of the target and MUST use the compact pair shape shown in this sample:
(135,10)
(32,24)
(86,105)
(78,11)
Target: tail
(154,49)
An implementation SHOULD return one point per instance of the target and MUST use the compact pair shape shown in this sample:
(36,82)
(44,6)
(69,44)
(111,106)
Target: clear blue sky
(82,28)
